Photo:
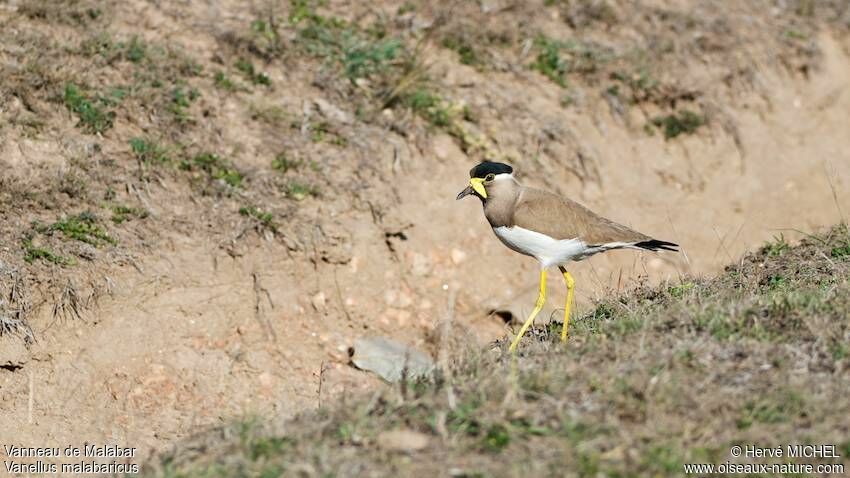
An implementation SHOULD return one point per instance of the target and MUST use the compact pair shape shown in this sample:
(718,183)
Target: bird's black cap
(486,167)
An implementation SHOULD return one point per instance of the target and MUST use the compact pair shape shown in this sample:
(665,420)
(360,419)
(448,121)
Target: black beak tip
(464,193)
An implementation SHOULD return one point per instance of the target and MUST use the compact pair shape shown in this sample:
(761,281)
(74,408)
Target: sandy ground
(196,337)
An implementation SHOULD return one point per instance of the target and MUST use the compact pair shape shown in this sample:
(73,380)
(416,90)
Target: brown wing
(562,218)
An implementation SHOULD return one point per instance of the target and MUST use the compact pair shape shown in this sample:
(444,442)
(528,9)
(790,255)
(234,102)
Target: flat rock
(389,359)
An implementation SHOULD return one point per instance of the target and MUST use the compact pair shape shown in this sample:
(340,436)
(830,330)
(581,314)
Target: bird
(553,229)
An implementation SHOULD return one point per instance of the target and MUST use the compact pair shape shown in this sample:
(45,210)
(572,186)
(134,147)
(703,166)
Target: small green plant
(135,50)
(549,61)
(497,438)
(467,53)
(679,291)
(840,251)
(430,107)
(33,253)
(264,219)
(777,247)
(641,83)
(148,151)
(362,58)
(82,227)
(215,167)
(673,125)
(776,281)
(299,191)
(121,213)
(93,118)
(181,98)
(255,77)
(555,59)
(265,36)
(282,163)
(222,81)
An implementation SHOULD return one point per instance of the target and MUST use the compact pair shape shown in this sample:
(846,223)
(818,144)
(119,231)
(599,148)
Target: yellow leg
(570,284)
(541,299)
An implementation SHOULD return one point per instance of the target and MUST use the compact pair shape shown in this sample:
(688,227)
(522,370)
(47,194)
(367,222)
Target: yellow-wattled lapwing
(552,229)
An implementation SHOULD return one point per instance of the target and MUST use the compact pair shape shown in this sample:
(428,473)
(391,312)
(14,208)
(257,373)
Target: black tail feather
(656,245)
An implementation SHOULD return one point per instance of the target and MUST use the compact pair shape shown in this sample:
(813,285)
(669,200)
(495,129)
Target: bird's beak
(475,186)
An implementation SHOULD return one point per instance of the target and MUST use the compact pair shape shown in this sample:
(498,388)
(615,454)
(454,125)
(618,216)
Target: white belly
(548,251)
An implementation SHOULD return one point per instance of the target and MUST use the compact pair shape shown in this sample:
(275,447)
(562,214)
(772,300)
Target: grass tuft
(683,122)
(93,118)
(215,167)
(33,253)
(265,220)
(148,151)
(251,74)
(84,228)
(299,191)
(122,214)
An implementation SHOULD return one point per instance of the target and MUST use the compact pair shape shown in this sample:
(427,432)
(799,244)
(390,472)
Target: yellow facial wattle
(477,185)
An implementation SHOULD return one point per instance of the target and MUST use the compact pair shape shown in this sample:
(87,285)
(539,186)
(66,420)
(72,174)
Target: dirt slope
(194,312)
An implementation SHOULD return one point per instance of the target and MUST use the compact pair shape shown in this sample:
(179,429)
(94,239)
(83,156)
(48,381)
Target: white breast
(545,249)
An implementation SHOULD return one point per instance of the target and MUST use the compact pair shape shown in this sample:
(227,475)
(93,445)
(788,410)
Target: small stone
(458,256)
(404,441)
(266,380)
(332,112)
(319,301)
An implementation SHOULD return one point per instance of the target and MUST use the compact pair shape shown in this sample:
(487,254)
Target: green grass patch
(556,59)
(148,151)
(264,219)
(468,54)
(251,74)
(284,163)
(135,50)
(221,80)
(121,214)
(641,83)
(299,191)
(776,247)
(93,118)
(181,98)
(840,251)
(33,253)
(676,124)
(215,167)
(358,53)
(431,107)
(82,227)
(549,61)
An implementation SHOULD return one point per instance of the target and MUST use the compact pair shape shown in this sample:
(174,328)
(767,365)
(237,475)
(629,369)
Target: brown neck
(501,198)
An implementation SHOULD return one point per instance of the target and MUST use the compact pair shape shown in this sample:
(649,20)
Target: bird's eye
(490,177)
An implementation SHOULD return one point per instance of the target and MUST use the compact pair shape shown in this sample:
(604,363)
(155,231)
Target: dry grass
(131,114)
(650,380)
